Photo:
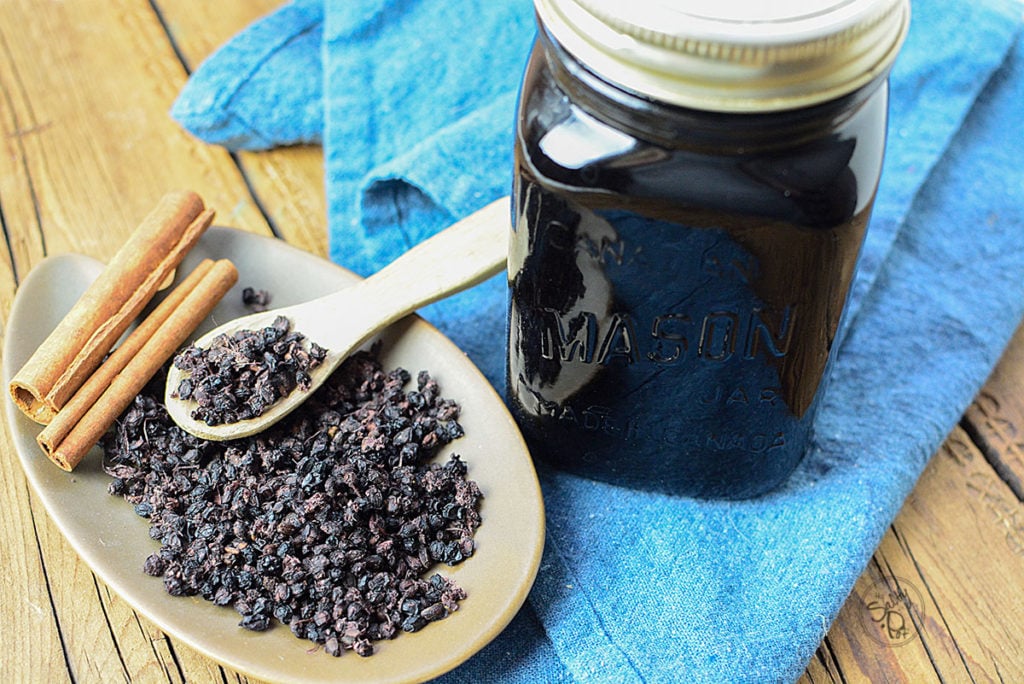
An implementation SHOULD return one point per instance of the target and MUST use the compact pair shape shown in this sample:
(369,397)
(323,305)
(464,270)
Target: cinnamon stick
(105,310)
(155,341)
(93,388)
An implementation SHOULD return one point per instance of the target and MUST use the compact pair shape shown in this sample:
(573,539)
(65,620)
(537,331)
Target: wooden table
(88,148)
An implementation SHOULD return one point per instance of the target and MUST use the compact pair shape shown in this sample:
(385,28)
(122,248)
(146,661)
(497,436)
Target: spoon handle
(465,254)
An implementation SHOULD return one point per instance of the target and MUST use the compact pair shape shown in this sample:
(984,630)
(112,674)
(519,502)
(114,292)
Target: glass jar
(692,187)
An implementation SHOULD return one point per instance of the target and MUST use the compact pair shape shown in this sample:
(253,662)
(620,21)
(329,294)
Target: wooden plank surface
(941,599)
(88,147)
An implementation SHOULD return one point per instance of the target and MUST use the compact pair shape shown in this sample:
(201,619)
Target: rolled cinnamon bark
(105,310)
(88,417)
(98,382)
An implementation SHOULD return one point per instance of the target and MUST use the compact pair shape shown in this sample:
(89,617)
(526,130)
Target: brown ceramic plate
(108,535)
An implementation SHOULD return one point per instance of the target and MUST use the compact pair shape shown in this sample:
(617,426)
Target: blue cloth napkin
(413,101)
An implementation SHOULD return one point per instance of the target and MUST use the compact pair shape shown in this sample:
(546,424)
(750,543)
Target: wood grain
(941,598)
(28,621)
(87,149)
(996,422)
(99,156)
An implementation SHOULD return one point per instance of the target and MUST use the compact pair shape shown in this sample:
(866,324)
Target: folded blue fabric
(417,104)
(262,89)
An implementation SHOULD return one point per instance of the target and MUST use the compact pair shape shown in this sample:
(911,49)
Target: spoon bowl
(459,257)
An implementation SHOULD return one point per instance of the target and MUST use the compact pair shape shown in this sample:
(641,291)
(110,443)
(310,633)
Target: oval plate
(114,542)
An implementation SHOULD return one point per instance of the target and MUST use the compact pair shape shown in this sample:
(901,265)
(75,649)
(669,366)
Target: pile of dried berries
(328,522)
(240,375)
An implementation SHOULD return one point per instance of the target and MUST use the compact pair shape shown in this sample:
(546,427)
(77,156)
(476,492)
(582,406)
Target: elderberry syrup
(692,188)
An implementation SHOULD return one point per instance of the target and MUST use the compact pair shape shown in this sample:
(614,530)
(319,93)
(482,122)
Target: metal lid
(732,55)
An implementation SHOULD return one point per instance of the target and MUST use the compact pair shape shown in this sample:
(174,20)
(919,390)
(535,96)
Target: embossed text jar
(693,181)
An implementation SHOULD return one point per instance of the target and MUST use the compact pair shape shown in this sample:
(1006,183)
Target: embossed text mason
(692,189)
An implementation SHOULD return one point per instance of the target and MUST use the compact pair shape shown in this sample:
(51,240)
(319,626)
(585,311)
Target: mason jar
(693,181)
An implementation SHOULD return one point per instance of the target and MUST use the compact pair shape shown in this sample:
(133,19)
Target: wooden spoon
(465,254)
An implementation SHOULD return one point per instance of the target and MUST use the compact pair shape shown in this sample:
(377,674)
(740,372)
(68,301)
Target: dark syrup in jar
(677,277)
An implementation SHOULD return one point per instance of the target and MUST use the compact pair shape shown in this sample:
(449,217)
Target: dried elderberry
(328,522)
(240,375)
(256,300)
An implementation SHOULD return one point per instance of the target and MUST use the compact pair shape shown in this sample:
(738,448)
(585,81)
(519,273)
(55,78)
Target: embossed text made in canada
(605,420)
